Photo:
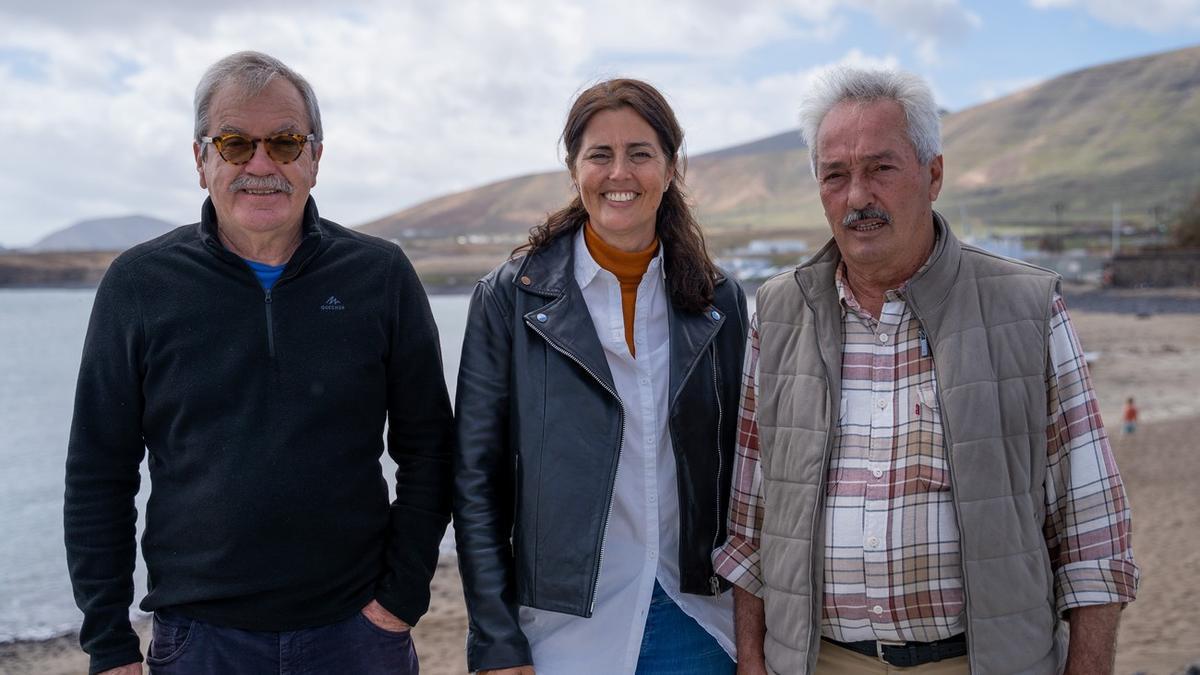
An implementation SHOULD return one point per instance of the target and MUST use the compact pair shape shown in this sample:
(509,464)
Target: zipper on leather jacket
(270,325)
(713,582)
(620,441)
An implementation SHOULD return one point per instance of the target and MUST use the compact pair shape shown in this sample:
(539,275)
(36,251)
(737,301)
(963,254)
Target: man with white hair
(923,480)
(257,355)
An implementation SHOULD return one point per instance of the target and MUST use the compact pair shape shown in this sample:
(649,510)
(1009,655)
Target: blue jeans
(183,646)
(674,644)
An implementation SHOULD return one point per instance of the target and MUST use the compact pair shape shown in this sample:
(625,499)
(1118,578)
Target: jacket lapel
(691,333)
(563,320)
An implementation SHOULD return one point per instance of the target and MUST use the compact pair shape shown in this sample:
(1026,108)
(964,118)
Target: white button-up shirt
(642,539)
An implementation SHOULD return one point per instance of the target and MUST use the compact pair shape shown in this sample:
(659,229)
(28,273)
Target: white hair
(844,83)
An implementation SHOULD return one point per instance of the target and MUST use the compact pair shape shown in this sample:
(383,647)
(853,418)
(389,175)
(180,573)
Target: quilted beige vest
(987,320)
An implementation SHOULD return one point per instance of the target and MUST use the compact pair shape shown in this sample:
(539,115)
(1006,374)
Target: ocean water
(41,336)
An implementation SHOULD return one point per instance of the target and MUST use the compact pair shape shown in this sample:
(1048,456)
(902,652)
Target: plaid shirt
(892,565)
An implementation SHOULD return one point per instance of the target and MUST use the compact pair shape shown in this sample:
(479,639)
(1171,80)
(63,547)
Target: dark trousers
(183,646)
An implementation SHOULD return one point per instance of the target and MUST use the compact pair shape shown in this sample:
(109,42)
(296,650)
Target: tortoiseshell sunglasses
(237,149)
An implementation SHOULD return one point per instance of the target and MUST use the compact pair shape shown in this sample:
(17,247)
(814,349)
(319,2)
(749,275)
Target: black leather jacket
(539,431)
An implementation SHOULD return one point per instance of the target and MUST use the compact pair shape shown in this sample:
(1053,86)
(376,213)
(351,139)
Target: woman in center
(597,415)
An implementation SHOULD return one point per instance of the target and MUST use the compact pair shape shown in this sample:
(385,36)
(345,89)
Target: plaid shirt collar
(846,294)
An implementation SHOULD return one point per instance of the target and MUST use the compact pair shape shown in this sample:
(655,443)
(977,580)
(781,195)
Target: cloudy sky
(425,97)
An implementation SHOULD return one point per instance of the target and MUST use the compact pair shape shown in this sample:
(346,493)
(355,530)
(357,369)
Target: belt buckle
(880,644)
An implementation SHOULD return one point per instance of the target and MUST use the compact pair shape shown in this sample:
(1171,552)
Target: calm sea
(41,335)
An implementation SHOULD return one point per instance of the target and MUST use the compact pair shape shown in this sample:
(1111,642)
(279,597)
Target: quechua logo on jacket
(332,305)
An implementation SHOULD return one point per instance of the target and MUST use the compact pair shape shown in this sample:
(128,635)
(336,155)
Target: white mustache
(247,182)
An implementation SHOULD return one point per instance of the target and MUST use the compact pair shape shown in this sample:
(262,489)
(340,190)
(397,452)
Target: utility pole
(1160,228)
(1058,236)
(1116,229)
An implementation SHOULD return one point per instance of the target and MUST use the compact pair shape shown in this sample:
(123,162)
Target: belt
(908,654)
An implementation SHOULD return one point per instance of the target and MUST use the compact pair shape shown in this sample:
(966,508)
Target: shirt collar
(846,294)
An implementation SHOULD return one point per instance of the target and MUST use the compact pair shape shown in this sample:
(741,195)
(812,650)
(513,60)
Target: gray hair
(250,73)
(844,83)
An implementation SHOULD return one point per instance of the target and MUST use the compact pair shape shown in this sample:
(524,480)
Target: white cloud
(1157,16)
(764,106)
(928,24)
(418,99)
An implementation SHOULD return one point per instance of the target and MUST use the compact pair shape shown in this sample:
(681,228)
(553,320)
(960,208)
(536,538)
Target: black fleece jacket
(263,413)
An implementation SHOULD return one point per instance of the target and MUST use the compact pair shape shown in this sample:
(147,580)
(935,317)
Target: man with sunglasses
(257,355)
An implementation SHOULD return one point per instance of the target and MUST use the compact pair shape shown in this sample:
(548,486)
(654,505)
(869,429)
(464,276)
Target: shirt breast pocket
(854,416)
(932,468)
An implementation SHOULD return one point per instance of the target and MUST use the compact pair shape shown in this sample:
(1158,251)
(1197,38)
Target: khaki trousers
(835,660)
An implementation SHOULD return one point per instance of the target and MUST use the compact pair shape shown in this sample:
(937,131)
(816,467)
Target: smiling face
(261,198)
(622,172)
(878,198)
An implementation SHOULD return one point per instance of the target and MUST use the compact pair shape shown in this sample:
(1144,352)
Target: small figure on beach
(901,495)
(1129,417)
(596,399)
(256,355)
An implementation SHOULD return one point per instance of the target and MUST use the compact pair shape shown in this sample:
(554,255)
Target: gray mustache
(866,214)
(247,182)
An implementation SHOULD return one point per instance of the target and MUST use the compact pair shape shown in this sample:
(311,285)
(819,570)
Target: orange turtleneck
(627,267)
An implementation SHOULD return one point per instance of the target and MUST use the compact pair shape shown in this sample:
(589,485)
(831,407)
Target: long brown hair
(690,273)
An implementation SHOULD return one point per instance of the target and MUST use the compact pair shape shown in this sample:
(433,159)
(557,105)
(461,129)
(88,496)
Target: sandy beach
(1154,359)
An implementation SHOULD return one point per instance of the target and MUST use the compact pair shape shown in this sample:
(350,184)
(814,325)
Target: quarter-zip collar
(309,242)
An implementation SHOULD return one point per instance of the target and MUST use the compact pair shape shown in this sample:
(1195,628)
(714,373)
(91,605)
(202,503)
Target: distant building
(1073,265)
(767,247)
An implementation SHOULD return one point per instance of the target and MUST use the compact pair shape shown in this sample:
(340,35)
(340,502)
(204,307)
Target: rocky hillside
(1061,150)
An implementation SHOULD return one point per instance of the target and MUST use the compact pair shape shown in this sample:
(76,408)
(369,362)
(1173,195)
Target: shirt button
(883,337)
(645,381)
(882,403)
(652,555)
(653,499)
(877,473)
(872,542)
(877,609)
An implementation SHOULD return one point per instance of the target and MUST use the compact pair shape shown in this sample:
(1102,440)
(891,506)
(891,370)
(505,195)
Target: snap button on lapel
(541,317)
(525,281)
(715,315)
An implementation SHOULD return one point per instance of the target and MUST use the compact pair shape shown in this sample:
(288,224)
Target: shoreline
(1144,302)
